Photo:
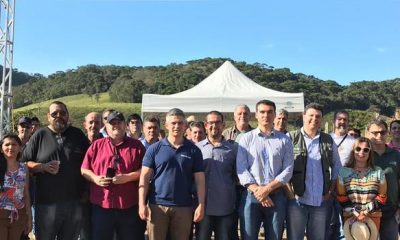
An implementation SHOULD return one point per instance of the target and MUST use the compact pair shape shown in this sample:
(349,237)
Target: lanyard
(342,141)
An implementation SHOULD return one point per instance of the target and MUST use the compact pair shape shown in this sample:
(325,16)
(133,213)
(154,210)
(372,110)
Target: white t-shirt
(345,147)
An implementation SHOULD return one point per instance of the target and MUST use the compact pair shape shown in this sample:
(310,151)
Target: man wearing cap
(112,166)
(54,154)
(389,160)
(24,129)
(170,168)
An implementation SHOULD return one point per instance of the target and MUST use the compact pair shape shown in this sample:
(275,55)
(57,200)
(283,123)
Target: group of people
(124,177)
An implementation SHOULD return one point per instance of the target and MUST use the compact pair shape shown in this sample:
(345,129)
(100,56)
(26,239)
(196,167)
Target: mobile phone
(110,172)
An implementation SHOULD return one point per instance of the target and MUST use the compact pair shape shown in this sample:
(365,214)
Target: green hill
(78,106)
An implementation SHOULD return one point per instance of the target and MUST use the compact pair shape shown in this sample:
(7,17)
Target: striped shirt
(361,189)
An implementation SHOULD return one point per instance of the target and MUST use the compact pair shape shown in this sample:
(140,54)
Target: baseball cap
(115,115)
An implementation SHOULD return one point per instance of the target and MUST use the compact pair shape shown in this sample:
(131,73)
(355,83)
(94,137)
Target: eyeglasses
(365,150)
(59,113)
(375,133)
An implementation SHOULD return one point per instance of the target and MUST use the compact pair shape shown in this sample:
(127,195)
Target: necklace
(361,170)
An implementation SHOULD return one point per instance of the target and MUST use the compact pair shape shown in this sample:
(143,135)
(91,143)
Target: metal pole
(7,16)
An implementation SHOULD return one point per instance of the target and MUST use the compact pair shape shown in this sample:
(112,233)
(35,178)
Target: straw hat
(360,230)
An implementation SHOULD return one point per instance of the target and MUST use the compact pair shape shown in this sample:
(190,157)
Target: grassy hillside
(78,106)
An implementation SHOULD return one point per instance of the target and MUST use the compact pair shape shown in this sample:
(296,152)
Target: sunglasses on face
(365,150)
(353,134)
(59,113)
(395,128)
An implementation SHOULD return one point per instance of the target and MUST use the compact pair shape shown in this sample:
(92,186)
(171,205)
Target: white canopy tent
(224,89)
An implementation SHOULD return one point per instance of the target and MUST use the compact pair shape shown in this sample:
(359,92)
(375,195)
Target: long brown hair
(370,161)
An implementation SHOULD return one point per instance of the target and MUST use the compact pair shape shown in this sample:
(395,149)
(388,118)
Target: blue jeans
(314,220)
(389,229)
(124,222)
(58,220)
(222,226)
(252,214)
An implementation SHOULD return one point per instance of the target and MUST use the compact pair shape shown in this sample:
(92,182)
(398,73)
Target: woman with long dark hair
(15,207)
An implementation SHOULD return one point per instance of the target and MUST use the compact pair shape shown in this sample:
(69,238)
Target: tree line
(128,83)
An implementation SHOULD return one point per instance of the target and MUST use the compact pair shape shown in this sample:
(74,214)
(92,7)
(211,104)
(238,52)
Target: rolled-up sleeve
(287,162)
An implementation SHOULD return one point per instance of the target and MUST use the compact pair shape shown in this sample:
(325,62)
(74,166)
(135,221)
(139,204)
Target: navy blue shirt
(220,172)
(172,180)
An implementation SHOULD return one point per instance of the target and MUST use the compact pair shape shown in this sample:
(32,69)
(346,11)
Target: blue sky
(341,40)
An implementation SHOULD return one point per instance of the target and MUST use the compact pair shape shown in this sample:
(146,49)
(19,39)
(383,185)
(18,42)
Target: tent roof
(222,90)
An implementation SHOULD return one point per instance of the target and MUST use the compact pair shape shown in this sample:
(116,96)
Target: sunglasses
(395,128)
(365,150)
(59,113)
(353,134)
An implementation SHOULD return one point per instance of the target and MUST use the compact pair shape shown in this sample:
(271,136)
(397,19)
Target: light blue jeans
(313,220)
(252,214)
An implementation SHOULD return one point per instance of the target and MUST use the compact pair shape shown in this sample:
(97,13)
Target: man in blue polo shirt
(169,168)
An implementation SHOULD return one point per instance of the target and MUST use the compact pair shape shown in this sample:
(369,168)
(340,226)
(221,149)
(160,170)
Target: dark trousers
(58,220)
(85,232)
(222,226)
(124,222)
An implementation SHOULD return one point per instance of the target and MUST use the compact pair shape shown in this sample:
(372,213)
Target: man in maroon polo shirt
(112,165)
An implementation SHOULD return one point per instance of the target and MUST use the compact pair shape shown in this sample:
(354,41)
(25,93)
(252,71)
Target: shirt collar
(305,134)
(205,142)
(259,133)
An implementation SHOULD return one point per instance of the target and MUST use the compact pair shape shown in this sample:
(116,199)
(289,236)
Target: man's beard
(59,126)
(342,129)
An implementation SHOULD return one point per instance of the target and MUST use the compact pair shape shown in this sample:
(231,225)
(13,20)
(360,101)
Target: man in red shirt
(113,165)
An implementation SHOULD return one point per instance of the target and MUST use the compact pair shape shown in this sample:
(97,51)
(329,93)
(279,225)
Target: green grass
(78,105)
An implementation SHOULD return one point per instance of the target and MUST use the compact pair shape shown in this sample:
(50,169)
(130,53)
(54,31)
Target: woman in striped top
(361,186)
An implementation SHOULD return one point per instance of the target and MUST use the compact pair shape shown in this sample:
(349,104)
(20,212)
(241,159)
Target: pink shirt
(99,157)
(392,145)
